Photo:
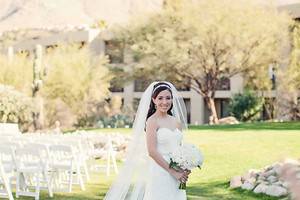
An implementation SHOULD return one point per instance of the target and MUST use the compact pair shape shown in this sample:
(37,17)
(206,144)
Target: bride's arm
(151,128)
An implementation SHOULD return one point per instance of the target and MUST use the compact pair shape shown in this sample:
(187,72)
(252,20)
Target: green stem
(182,186)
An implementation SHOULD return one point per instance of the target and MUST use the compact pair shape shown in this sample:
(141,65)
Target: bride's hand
(180,175)
(187,171)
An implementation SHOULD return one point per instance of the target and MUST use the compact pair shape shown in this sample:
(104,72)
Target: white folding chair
(5,187)
(30,165)
(63,161)
(81,155)
(7,158)
(107,153)
(111,157)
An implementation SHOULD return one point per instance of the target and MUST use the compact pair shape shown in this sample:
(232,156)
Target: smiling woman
(161,99)
(146,168)
(161,141)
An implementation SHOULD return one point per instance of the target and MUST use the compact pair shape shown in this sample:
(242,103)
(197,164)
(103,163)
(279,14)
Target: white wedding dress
(139,180)
(161,185)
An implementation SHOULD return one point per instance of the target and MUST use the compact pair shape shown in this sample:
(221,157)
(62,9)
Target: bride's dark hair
(157,88)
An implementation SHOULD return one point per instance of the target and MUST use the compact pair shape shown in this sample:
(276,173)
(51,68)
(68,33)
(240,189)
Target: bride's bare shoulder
(151,123)
(151,119)
(176,122)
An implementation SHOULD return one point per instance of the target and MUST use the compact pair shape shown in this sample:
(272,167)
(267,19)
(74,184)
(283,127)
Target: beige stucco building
(58,28)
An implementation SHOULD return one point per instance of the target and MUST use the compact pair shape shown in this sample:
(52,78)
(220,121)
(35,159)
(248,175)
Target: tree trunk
(38,114)
(213,118)
(37,84)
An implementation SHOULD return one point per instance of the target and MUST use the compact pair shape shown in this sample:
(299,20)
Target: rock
(276,191)
(268,173)
(251,180)
(254,173)
(247,186)
(246,176)
(285,185)
(236,182)
(228,120)
(261,188)
(278,183)
(277,168)
(268,167)
(261,178)
(262,181)
(291,161)
(272,179)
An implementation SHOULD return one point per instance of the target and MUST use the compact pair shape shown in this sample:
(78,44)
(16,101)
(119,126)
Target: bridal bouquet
(186,157)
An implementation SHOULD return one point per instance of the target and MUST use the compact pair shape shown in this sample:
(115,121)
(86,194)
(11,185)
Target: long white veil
(130,183)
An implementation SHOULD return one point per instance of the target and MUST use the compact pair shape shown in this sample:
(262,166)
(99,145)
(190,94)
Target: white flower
(187,156)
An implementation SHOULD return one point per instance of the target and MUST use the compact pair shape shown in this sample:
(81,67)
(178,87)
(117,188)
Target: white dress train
(161,185)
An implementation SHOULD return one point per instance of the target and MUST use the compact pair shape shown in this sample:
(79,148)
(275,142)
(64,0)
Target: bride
(157,131)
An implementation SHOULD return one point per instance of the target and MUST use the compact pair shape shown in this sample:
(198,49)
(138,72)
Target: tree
(246,106)
(206,41)
(16,72)
(77,78)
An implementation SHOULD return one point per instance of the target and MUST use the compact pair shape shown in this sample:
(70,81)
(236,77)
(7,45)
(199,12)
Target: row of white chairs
(33,161)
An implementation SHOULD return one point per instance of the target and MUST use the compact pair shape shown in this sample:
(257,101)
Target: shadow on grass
(200,191)
(94,191)
(215,191)
(250,126)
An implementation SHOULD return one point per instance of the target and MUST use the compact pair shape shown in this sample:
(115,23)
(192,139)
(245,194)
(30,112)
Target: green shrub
(115,121)
(15,107)
(16,72)
(78,80)
(246,106)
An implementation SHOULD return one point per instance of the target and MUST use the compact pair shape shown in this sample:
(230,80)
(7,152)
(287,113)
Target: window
(223,84)
(135,104)
(115,51)
(115,86)
(224,104)
(187,103)
(140,85)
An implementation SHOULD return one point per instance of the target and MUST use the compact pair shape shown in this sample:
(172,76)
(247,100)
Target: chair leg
(18,184)
(86,171)
(37,188)
(70,179)
(79,177)
(7,187)
(114,163)
(48,184)
(108,164)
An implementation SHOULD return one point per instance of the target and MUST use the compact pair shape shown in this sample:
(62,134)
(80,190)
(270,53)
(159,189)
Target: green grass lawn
(228,151)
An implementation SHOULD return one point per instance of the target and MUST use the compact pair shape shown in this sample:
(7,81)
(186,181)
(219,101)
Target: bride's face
(163,101)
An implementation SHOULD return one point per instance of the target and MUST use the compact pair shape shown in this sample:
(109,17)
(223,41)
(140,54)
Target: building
(71,27)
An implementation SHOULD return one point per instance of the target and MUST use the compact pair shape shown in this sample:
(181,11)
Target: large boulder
(236,182)
(228,120)
(276,191)
(261,188)
(276,180)
(247,186)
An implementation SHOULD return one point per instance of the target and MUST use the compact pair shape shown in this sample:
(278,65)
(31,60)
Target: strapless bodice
(168,140)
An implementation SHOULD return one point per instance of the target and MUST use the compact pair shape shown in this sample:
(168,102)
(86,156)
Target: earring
(155,106)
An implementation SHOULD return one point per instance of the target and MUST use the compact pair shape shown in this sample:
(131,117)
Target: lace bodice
(168,140)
